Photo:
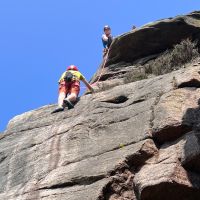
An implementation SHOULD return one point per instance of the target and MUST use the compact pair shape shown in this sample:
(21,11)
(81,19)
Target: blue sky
(39,38)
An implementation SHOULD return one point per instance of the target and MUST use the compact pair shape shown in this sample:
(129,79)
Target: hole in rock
(117,100)
(192,83)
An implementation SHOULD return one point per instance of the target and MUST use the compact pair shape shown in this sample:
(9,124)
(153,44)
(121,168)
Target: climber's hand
(87,92)
(92,90)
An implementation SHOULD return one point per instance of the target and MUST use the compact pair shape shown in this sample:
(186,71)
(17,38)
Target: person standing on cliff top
(106,39)
(133,27)
(69,88)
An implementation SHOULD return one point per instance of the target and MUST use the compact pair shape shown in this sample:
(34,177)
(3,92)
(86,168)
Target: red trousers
(69,88)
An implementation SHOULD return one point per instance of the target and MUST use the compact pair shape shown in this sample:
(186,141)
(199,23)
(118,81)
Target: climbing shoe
(59,109)
(68,104)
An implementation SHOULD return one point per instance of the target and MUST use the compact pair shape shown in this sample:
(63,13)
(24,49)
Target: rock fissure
(121,184)
(82,181)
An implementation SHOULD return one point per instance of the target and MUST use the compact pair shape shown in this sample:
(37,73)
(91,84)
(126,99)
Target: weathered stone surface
(145,43)
(93,168)
(135,141)
(169,123)
(32,192)
(163,176)
(154,38)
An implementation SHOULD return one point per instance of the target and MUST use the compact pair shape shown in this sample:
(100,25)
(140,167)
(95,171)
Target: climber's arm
(104,41)
(104,38)
(88,85)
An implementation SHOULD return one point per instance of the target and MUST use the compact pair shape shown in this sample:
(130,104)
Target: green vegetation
(170,60)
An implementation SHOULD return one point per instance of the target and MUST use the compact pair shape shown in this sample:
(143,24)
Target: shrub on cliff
(170,60)
(173,59)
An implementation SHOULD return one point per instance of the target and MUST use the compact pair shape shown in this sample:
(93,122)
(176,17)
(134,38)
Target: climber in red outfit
(69,84)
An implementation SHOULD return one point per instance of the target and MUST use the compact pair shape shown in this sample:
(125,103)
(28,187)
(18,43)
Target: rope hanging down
(102,68)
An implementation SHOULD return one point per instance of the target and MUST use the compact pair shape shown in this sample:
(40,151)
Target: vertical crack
(152,118)
(121,184)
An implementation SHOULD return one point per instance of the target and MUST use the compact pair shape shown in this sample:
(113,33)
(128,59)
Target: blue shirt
(105,42)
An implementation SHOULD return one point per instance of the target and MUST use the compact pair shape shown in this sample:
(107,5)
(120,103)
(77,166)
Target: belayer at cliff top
(69,88)
(107,39)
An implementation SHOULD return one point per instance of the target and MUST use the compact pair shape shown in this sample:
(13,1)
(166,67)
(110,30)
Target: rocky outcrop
(154,38)
(134,141)
(146,43)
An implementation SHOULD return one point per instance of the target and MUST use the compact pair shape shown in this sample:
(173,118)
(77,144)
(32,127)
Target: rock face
(135,141)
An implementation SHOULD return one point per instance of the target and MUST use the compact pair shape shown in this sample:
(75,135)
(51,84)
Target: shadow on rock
(190,158)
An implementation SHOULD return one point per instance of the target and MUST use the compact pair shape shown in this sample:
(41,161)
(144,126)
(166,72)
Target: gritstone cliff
(136,138)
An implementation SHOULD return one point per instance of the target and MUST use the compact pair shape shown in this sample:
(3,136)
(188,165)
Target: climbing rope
(102,68)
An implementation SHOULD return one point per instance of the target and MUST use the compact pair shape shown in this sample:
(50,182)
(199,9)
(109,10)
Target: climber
(69,88)
(106,39)
(133,27)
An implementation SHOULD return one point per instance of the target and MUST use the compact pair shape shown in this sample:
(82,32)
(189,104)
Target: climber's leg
(63,90)
(74,92)
(105,52)
(69,101)
(61,98)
